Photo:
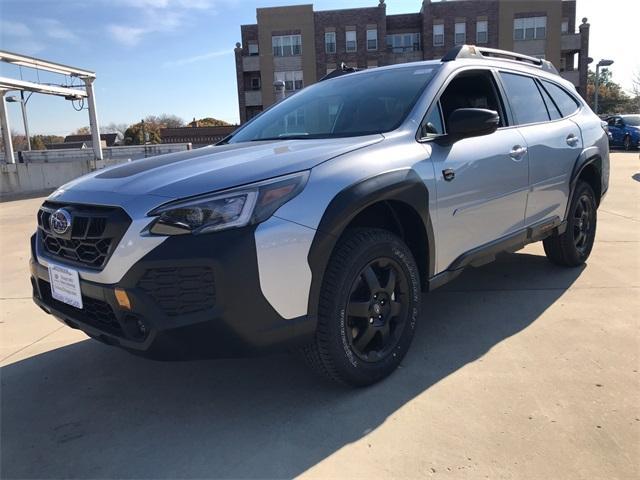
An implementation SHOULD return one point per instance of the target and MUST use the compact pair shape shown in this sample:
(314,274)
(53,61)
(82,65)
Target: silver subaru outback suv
(317,225)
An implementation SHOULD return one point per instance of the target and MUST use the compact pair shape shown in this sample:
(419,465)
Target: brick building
(299,46)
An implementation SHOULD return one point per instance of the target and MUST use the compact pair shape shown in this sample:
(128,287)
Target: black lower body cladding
(193,296)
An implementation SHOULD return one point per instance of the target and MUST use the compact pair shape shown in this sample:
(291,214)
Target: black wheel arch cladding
(590,170)
(401,186)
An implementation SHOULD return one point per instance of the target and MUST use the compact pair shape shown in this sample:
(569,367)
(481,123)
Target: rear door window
(525,99)
(565,102)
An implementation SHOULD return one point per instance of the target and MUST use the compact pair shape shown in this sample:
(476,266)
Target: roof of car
(473,55)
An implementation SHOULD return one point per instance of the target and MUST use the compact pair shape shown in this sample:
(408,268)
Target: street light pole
(601,63)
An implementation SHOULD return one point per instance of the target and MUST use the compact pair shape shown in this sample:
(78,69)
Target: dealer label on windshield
(65,285)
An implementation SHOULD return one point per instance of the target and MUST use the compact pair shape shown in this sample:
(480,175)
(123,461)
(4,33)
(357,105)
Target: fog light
(123,299)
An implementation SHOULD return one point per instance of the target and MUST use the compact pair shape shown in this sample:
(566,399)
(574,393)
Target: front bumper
(191,297)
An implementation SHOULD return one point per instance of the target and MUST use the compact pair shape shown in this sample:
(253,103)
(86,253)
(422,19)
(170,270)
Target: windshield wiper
(285,136)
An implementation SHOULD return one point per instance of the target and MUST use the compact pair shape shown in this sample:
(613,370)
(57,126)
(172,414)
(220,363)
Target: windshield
(633,120)
(352,105)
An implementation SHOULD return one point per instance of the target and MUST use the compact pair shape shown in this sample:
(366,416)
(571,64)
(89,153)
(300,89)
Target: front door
(481,182)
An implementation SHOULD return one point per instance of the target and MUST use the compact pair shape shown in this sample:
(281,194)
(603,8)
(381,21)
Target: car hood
(183,174)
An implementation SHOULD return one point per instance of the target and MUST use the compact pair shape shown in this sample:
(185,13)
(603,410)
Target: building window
(253,49)
(403,42)
(438,35)
(564,26)
(286,45)
(530,28)
(460,33)
(372,39)
(482,31)
(330,42)
(350,37)
(292,80)
(255,83)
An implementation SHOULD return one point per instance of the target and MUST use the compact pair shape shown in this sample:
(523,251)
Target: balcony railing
(253,98)
(570,42)
(251,63)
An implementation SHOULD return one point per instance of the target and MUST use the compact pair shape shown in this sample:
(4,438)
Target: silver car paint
(283,242)
(181,175)
(285,277)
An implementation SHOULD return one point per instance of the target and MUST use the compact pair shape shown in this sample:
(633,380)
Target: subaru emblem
(60,221)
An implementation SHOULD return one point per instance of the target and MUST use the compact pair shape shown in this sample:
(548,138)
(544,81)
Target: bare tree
(636,83)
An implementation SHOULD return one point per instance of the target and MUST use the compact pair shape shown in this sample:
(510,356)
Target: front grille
(94,234)
(181,290)
(95,313)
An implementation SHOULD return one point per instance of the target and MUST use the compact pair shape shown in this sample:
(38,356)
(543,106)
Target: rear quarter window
(565,102)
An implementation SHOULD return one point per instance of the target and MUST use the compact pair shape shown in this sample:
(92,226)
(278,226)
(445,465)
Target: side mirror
(471,122)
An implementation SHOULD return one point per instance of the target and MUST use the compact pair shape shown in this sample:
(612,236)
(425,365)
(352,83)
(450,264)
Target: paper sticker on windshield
(423,71)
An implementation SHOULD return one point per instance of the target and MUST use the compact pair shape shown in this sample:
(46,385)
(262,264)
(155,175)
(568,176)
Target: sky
(176,56)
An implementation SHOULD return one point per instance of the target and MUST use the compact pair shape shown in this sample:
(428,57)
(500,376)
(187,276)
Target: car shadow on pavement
(89,411)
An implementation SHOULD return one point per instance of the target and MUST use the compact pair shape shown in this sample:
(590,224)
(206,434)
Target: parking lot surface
(519,369)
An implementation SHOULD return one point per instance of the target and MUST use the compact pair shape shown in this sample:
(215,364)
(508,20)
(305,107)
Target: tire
(627,143)
(371,272)
(573,247)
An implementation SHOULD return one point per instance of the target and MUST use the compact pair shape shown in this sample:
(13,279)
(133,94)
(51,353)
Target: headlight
(228,209)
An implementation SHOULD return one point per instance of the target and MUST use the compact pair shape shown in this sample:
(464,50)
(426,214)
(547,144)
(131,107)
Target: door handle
(448,174)
(572,140)
(517,152)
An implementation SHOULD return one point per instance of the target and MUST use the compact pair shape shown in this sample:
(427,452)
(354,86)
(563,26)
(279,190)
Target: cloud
(167,4)
(129,36)
(14,29)
(31,39)
(197,58)
(154,16)
(55,30)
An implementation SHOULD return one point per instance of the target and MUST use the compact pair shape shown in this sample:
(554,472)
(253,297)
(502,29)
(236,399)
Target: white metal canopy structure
(85,92)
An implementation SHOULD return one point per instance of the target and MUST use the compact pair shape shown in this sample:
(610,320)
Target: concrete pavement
(519,369)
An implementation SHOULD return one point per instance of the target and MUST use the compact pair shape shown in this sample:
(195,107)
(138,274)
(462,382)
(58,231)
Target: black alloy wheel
(583,214)
(376,309)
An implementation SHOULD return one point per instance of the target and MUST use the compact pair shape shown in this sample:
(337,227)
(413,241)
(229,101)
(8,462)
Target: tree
(611,97)
(114,128)
(211,122)
(636,83)
(82,131)
(134,135)
(38,142)
(165,120)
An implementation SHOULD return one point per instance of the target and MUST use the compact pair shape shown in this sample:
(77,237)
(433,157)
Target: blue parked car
(625,131)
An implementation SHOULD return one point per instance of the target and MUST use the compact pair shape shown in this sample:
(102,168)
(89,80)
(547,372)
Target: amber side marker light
(123,299)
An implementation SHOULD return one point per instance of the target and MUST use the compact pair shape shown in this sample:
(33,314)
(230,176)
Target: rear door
(554,142)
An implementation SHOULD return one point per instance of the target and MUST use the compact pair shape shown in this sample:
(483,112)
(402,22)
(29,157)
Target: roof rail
(472,51)
(338,72)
